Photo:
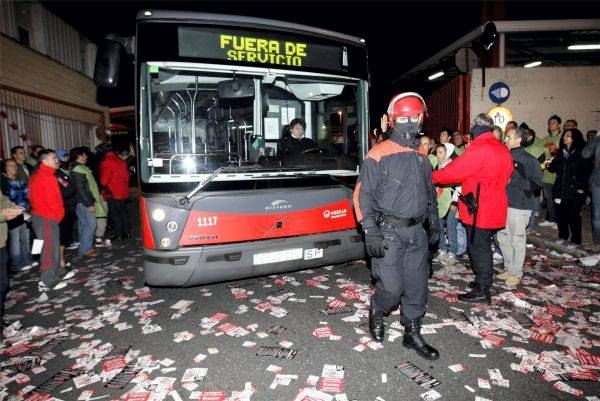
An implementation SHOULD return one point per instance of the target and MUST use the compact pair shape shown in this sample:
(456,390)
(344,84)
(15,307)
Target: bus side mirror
(108,59)
(236,88)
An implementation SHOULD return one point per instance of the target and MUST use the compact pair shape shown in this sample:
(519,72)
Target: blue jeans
(461,238)
(452,233)
(18,247)
(442,241)
(532,220)
(86,226)
(551,207)
(595,190)
(3,281)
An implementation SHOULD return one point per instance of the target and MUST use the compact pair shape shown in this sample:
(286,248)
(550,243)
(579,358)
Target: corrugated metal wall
(442,106)
(62,42)
(8,24)
(51,36)
(46,130)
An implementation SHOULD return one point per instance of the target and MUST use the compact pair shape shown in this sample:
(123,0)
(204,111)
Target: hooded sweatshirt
(444,193)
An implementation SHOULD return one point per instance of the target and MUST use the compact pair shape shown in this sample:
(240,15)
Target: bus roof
(239,20)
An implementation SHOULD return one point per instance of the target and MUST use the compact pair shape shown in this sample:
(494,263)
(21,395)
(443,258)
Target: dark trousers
(119,217)
(479,245)
(66,226)
(401,275)
(550,205)
(47,230)
(3,281)
(568,213)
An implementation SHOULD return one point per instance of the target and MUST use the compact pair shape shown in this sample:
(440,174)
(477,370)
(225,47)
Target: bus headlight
(172,226)
(165,242)
(158,214)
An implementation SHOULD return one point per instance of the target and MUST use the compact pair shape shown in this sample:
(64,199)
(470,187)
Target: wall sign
(501,116)
(499,92)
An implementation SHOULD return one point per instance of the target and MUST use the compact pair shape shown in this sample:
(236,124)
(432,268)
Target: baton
(476,212)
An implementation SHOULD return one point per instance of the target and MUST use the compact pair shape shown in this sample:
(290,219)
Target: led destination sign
(251,47)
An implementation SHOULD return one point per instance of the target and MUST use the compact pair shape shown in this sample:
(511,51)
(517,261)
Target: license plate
(313,253)
(277,256)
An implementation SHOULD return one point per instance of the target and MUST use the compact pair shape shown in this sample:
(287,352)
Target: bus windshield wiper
(186,199)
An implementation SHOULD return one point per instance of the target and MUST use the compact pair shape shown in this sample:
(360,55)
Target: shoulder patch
(386,148)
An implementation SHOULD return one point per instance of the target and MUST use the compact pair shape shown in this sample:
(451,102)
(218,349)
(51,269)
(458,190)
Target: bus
(221,196)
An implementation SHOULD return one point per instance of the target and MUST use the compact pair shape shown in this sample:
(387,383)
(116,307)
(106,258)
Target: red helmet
(406,104)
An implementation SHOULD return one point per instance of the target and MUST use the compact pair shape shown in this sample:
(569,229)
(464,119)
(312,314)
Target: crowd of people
(488,185)
(46,195)
(566,159)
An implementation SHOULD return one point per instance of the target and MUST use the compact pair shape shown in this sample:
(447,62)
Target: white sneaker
(25,268)
(73,245)
(70,274)
(449,261)
(440,256)
(546,223)
(107,242)
(99,243)
(34,264)
(43,287)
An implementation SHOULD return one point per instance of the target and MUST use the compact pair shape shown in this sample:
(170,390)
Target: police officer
(393,199)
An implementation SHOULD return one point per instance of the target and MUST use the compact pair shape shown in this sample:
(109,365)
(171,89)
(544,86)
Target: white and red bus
(214,97)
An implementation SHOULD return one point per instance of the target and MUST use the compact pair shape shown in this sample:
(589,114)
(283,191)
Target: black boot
(376,324)
(412,339)
(477,295)
(472,284)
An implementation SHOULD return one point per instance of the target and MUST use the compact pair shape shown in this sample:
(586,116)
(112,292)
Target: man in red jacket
(485,167)
(114,180)
(47,211)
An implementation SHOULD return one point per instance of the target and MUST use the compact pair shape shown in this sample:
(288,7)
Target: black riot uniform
(394,198)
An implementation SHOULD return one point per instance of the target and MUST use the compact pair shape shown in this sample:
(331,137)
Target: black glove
(434,233)
(374,243)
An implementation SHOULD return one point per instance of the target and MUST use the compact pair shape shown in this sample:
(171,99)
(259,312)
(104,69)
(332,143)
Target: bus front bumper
(214,263)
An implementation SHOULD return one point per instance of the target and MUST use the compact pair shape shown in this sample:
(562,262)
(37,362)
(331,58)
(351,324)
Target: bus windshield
(196,121)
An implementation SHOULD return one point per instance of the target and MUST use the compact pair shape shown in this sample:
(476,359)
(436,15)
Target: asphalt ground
(114,282)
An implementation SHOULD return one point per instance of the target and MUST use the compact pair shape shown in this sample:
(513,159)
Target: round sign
(466,59)
(499,92)
(501,116)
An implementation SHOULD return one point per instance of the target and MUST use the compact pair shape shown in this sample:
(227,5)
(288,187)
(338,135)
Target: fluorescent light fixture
(533,64)
(436,75)
(591,46)
(148,13)
(362,40)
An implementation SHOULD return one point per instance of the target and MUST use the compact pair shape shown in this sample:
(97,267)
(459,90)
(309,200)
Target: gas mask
(406,133)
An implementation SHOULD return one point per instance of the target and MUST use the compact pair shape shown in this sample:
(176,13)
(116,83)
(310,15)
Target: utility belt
(399,222)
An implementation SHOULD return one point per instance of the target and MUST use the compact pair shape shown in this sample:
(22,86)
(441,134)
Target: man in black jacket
(296,142)
(526,178)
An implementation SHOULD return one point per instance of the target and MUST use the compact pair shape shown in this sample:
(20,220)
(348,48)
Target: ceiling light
(533,64)
(436,75)
(148,13)
(591,46)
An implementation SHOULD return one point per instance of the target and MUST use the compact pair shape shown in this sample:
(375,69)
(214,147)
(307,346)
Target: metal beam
(549,25)
(505,27)
(462,42)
